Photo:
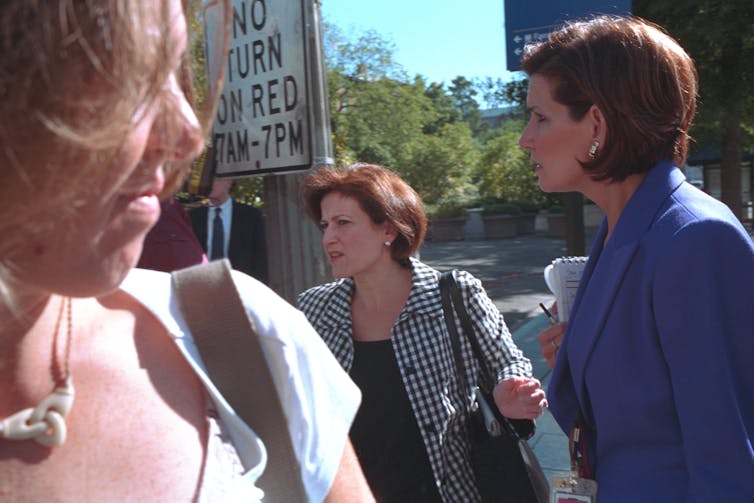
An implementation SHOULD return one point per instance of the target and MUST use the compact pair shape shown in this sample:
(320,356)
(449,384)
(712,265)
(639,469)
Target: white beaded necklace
(45,423)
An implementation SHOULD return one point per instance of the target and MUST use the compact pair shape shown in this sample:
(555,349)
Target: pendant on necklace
(44,423)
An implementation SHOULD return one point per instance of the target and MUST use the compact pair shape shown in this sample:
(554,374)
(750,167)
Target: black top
(385,434)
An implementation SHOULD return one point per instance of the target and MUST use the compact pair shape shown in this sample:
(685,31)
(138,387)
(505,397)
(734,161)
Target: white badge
(573,490)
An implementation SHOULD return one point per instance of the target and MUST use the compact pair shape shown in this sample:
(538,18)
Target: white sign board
(262,123)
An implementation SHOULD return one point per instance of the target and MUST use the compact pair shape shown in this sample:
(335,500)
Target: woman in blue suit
(655,365)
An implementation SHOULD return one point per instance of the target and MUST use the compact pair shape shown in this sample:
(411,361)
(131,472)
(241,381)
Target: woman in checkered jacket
(383,321)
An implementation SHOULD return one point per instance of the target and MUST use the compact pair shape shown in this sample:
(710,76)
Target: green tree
(375,119)
(366,56)
(439,166)
(249,190)
(443,106)
(464,94)
(373,111)
(431,135)
(719,37)
(505,171)
(497,93)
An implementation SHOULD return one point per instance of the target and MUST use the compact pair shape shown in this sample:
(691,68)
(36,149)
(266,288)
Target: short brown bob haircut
(381,194)
(641,79)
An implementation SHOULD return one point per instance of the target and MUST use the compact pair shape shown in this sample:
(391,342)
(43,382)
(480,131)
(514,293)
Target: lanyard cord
(578,450)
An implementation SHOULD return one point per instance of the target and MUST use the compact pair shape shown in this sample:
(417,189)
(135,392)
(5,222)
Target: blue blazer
(658,355)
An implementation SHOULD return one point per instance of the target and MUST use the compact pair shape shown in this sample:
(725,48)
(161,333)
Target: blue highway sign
(532,22)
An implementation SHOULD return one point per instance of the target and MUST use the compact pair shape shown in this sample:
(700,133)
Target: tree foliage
(718,35)
(464,94)
(373,120)
(444,108)
(505,171)
(379,116)
(435,136)
(367,56)
(439,167)
(498,93)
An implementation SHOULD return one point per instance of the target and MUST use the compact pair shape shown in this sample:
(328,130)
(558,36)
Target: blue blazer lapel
(563,384)
(586,327)
(604,273)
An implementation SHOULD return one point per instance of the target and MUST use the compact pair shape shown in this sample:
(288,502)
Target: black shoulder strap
(449,289)
(446,284)
(236,363)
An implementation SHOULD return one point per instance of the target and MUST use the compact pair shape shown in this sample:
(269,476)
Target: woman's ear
(598,123)
(390,232)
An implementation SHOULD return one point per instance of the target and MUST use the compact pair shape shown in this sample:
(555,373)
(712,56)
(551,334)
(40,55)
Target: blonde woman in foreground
(104,397)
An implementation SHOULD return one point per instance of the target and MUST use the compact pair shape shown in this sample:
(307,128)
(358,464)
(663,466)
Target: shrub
(500,208)
(447,209)
(505,170)
(527,206)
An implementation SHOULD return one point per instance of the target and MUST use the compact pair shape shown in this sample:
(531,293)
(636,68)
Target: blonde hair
(73,76)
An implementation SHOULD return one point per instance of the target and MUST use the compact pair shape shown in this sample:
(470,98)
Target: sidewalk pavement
(511,271)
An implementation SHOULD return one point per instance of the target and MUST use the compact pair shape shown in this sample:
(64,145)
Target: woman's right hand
(550,340)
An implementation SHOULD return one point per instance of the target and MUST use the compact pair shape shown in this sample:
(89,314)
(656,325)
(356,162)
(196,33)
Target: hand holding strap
(453,302)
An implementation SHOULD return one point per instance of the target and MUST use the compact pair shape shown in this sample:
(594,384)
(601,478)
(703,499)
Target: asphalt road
(511,270)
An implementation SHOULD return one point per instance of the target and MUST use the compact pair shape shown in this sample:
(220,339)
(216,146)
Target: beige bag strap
(236,363)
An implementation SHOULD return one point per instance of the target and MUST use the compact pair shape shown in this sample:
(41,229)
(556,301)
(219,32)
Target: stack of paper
(562,277)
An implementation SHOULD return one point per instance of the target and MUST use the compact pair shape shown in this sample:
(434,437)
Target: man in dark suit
(227,228)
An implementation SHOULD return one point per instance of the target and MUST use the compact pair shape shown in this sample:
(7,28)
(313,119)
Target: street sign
(526,22)
(263,123)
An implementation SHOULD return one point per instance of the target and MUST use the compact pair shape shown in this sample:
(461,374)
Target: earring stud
(593,148)
(388,243)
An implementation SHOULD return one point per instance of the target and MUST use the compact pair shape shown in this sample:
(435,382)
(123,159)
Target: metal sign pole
(296,258)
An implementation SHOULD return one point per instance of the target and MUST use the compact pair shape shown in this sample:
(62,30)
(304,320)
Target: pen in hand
(550,316)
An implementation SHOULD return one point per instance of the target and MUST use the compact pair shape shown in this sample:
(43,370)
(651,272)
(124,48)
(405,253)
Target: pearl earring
(593,148)
(388,243)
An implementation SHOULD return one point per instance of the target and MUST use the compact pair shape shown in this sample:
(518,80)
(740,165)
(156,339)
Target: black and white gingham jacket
(422,348)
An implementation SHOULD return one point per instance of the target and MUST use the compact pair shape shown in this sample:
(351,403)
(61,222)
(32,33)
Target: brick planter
(556,225)
(525,223)
(447,229)
(500,226)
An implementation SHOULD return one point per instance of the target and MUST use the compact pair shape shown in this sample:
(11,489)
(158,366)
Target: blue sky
(439,39)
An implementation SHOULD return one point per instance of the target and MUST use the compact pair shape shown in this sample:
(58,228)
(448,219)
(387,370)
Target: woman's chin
(547,186)
(115,268)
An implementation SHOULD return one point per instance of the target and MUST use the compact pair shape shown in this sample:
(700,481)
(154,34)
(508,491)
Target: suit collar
(227,205)
(642,208)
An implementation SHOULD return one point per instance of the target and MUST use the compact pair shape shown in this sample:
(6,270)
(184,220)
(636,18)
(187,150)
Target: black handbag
(505,467)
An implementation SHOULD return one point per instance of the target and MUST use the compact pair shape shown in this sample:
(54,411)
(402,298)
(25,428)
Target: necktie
(218,237)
